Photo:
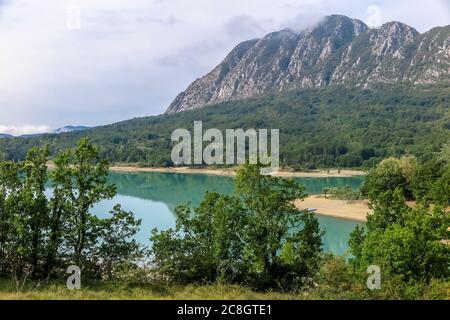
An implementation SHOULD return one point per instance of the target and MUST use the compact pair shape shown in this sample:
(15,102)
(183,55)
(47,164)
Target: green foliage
(115,247)
(337,280)
(444,154)
(342,193)
(276,225)
(204,246)
(41,236)
(335,276)
(403,241)
(390,174)
(440,190)
(430,183)
(406,242)
(329,127)
(426,183)
(24,212)
(257,237)
(81,184)
(411,248)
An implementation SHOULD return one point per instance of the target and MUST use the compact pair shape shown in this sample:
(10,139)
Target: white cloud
(130,58)
(17,130)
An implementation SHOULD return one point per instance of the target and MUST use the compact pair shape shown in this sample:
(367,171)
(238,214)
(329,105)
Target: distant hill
(337,51)
(326,127)
(70,129)
(31,135)
(56,131)
(5,136)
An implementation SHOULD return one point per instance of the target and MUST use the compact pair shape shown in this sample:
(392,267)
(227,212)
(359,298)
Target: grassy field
(122,291)
(110,290)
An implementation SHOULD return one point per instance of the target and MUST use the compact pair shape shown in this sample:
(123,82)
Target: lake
(153,196)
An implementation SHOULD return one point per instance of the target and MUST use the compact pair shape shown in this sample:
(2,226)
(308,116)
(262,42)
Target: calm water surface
(153,198)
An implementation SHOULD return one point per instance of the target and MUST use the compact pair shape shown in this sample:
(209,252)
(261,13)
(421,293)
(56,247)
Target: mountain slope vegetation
(325,127)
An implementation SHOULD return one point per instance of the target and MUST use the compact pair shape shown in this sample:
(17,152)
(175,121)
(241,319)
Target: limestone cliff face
(339,51)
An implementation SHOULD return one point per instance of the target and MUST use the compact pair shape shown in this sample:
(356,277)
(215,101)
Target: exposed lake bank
(356,210)
(232,171)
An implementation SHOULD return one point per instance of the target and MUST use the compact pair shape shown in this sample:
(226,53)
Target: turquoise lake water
(153,197)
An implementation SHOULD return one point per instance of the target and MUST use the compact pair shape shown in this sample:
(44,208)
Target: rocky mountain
(337,51)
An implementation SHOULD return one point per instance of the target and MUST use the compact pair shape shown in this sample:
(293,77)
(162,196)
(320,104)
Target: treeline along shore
(256,242)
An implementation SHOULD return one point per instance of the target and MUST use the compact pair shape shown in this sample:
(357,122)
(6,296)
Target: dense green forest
(330,127)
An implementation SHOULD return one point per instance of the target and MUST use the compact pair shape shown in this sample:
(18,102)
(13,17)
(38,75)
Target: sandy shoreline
(351,210)
(232,172)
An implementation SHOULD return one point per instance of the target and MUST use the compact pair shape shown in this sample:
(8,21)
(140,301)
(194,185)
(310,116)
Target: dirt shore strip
(232,172)
(352,210)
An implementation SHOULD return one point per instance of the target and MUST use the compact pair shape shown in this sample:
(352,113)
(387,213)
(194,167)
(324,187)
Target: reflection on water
(170,188)
(153,196)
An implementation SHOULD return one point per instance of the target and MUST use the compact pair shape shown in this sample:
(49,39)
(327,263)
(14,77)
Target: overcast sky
(128,58)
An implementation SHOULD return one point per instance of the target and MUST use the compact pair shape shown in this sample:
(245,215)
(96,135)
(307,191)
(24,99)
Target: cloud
(244,26)
(23,129)
(374,17)
(423,15)
(131,58)
(307,16)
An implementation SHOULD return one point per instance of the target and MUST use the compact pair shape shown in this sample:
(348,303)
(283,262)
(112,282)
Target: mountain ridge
(338,51)
(326,127)
(70,129)
(5,136)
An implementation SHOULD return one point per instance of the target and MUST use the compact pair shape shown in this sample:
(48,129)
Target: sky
(94,62)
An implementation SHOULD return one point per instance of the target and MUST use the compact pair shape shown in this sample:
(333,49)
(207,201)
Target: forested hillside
(328,127)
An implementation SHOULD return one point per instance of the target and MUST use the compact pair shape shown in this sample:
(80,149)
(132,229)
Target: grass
(98,290)
(113,290)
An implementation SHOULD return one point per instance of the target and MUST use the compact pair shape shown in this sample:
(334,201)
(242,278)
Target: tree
(403,241)
(10,184)
(440,190)
(390,174)
(206,245)
(60,211)
(425,176)
(42,235)
(100,246)
(256,237)
(24,214)
(406,242)
(33,209)
(444,154)
(276,225)
(116,247)
(81,182)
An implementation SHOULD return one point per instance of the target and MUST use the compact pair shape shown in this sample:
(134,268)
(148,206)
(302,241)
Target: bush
(257,238)
(342,193)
